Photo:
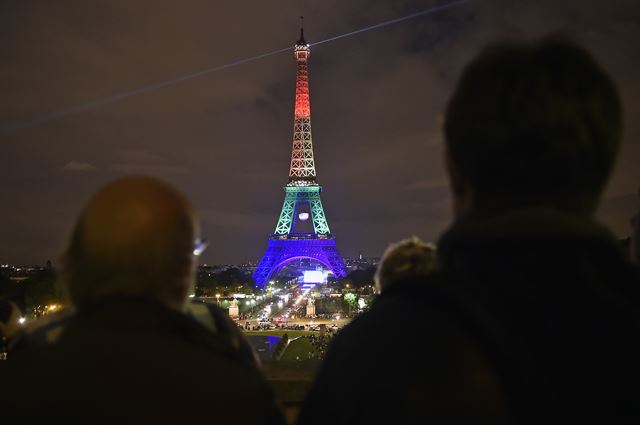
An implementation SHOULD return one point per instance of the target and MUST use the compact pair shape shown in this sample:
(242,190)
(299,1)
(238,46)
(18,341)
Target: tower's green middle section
(296,196)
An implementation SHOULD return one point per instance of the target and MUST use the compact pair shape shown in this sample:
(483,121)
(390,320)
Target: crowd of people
(529,309)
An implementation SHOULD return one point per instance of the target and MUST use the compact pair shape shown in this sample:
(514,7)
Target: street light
(218,298)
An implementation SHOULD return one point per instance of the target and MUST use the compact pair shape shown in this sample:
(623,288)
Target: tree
(230,277)
(228,281)
(205,284)
(326,305)
(360,278)
(42,289)
(352,301)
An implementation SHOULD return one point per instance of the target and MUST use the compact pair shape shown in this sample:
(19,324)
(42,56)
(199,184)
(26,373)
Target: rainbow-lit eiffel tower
(291,241)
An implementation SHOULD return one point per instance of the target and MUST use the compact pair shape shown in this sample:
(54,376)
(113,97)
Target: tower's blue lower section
(283,250)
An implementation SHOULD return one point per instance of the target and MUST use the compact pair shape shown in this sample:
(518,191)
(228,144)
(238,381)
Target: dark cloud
(225,138)
(78,166)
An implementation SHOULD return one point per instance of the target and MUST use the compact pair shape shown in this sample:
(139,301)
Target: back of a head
(134,238)
(534,124)
(634,248)
(407,259)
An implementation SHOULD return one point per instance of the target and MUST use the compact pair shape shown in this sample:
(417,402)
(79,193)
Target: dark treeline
(231,280)
(31,294)
(360,278)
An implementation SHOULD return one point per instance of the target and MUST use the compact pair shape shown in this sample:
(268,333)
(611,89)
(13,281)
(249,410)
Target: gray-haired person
(404,260)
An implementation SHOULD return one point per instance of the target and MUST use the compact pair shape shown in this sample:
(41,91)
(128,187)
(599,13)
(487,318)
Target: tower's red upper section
(303,108)
(303,170)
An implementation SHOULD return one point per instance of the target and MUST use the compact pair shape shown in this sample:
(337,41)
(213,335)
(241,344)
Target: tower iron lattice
(302,194)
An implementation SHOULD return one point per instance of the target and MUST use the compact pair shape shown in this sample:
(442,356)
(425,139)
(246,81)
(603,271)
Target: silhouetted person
(405,260)
(634,242)
(533,314)
(131,353)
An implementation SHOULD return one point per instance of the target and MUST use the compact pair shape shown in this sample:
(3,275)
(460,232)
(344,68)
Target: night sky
(225,138)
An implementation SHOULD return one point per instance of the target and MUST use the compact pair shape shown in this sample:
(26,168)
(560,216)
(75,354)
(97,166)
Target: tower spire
(302,171)
(302,41)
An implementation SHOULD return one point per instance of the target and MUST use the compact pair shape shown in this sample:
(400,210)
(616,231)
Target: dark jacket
(135,361)
(532,318)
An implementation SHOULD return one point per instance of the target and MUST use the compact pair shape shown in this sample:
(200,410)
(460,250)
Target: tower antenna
(302,41)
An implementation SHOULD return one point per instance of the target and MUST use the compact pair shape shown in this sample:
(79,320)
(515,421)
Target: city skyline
(224,139)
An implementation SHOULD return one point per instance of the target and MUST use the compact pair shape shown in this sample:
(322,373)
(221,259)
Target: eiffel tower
(294,238)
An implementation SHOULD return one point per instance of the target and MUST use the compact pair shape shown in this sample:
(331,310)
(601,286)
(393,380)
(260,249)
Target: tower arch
(277,268)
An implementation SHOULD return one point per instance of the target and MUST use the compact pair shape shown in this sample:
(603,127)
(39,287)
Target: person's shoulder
(408,308)
(414,343)
(424,297)
(218,322)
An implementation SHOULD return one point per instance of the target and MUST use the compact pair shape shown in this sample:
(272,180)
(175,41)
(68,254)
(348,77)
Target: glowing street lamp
(218,298)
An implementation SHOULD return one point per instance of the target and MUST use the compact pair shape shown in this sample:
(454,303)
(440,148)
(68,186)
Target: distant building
(361,262)
(19,273)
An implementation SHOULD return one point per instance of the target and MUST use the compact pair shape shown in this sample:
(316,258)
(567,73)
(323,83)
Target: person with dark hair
(634,240)
(533,313)
(134,350)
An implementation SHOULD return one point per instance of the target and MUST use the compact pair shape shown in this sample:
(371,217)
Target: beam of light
(11,128)
(22,125)
(392,21)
